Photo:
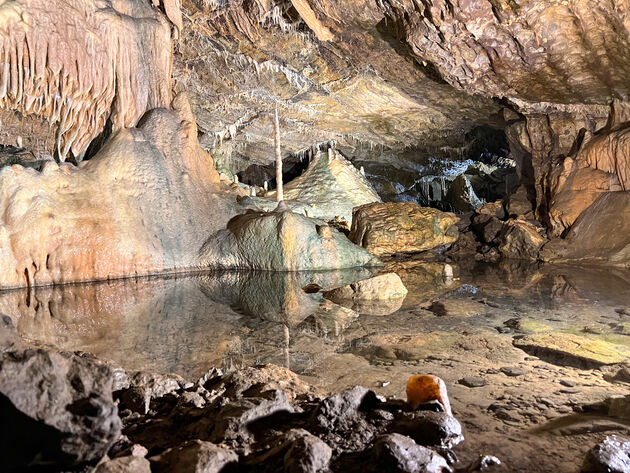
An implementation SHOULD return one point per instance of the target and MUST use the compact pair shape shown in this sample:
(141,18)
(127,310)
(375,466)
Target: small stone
(473,381)
(610,456)
(568,383)
(513,371)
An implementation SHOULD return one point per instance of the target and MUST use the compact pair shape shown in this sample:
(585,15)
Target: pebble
(568,383)
(513,370)
(473,381)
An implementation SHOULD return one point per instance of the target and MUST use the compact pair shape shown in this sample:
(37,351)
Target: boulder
(494,209)
(610,456)
(55,407)
(487,227)
(382,287)
(518,203)
(331,186)
(462,195)
(520,240)
(601,234)
(401,227)
(194,456)
(396,452)
(429,428)
(281,241)
(128,464)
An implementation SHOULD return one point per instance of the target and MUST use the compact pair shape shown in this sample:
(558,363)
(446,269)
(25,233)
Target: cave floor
(572,323)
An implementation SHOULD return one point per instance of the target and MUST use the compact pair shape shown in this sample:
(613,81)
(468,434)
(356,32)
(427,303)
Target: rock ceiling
(371,75)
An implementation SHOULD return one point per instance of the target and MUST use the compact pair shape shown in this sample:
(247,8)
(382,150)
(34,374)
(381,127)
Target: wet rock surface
(233,423)
(240,320)
(281,241)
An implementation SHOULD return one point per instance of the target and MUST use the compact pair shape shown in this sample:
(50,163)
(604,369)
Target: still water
(514,402)
(188,324)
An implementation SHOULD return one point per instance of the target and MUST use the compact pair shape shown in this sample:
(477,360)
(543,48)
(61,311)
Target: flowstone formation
(144,204)
(281,241)
(331,186)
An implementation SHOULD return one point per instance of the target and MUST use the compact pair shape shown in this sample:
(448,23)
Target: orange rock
(425,388)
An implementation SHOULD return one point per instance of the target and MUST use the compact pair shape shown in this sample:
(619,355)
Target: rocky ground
(529,355)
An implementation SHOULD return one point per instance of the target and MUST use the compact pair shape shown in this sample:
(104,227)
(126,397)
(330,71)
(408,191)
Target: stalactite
(78,66)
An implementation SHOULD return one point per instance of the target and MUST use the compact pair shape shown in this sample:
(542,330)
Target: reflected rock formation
(203,317)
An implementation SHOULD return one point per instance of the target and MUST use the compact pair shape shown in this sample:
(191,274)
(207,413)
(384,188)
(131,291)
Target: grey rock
(193,456)
(473,381)
(397,452)
(610,456)
(344,406)
(234,421)
(55,407)
(513,371)
(306,453)
(156,385)
(128,464)
(428,428)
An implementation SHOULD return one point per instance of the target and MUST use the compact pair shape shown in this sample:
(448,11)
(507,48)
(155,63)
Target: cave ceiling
(377,77)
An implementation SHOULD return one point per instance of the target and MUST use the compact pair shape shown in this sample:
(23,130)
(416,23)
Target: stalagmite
(279,191)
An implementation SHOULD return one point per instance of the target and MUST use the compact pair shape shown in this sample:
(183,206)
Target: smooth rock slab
(401,227)
(572,350)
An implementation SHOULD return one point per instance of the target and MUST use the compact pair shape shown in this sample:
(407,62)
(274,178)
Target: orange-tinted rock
(601,234)
(602,165)
(401,227)
(426,388)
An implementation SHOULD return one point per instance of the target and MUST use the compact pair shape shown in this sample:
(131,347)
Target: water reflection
(182,324)
(187,324)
